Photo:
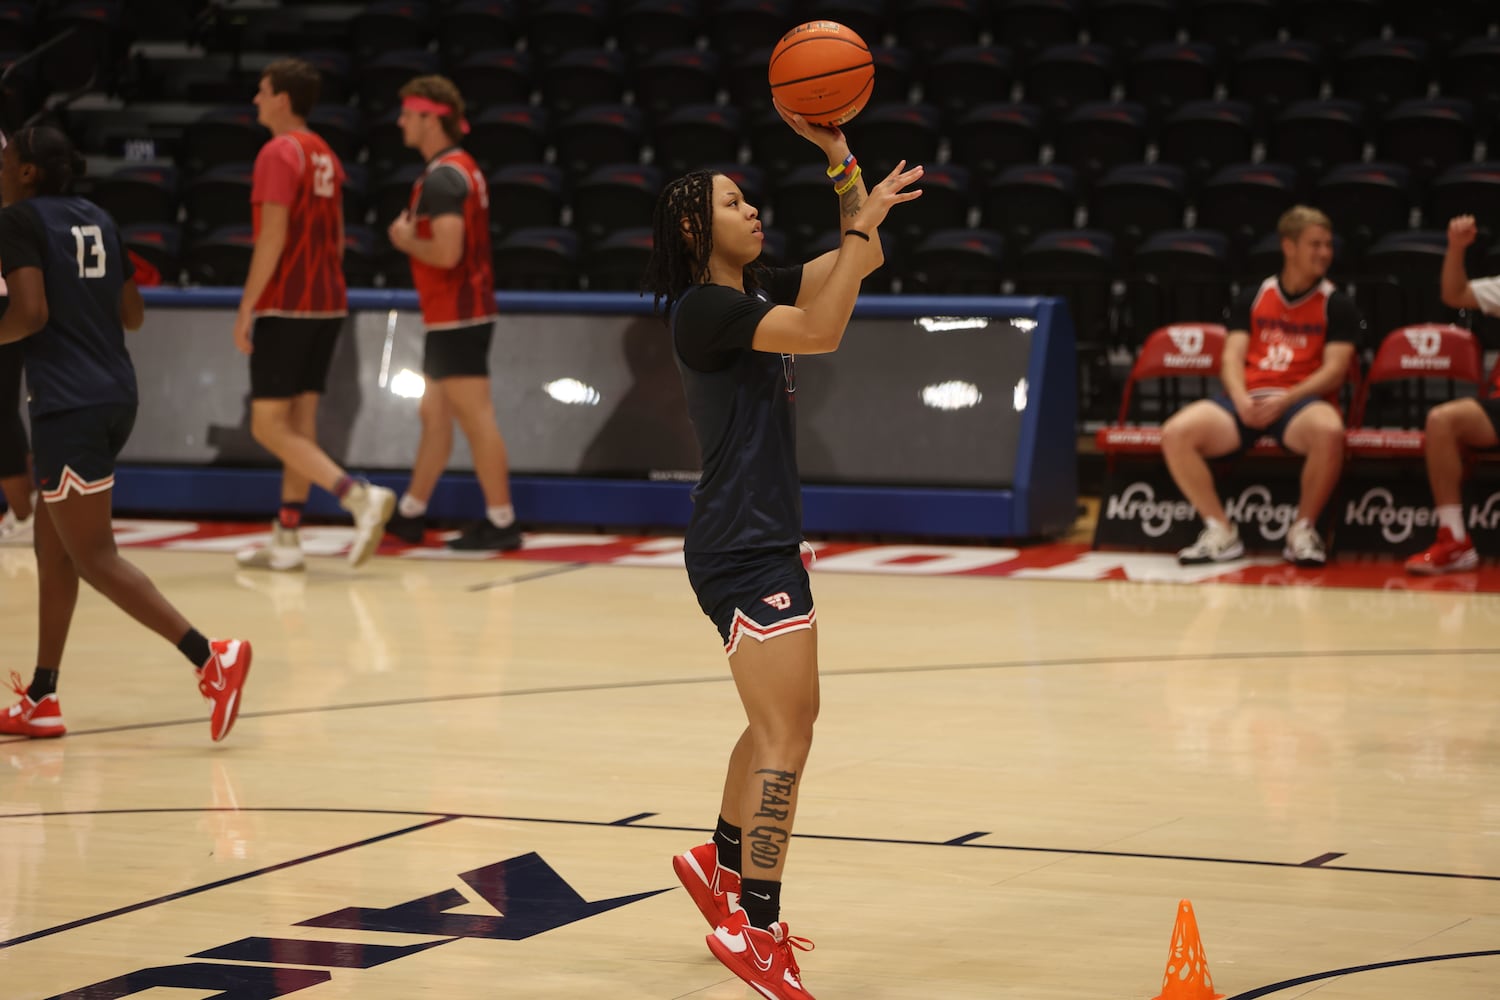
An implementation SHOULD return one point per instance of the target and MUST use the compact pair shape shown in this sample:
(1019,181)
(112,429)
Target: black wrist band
(856,232)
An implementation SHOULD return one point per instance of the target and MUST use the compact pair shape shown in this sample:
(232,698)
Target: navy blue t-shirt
(79,358)
(740,401)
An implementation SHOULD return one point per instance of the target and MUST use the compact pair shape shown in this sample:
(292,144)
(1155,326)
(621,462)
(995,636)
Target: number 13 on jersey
(92,259)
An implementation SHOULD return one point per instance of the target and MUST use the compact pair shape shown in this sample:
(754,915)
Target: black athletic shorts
(459,351)
(758,593)
(12,431)
(291,355)
(75,450)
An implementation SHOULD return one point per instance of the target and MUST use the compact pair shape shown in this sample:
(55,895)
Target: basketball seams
(820,76)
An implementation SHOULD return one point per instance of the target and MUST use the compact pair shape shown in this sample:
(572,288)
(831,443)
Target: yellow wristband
(847,186)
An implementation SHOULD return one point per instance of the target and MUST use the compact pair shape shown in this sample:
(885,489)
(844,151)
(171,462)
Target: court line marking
(961,843)
(508,581)
(725,678)
(1263,991)
(170,897)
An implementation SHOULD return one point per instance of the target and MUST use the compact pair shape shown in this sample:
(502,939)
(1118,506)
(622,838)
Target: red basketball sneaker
(36,719)
(1444,556)
(716,890)
(220,682)
(764,959)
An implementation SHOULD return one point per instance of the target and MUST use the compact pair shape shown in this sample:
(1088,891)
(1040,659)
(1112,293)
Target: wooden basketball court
(465,778)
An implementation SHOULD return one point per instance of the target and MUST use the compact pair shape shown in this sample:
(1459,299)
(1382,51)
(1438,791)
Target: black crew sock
(195,647)
(43,683)
(762,902)
(727,840)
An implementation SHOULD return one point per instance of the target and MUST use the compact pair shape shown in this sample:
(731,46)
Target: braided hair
(680,253)
(51,152)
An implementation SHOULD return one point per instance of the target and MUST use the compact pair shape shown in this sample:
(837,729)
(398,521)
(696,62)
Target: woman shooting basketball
(737,329)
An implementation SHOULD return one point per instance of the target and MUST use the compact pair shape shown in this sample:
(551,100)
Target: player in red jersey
(292,311)
(446,232)
(1291,340)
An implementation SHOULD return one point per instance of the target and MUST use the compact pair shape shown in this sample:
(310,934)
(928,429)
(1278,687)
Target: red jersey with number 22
(298,170)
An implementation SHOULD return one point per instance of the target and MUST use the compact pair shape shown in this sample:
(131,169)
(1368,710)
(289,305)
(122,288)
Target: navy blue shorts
(75,450)
(759,593)
(1275,429)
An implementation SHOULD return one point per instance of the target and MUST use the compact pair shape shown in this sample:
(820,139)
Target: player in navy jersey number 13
(71,299)
(736,329)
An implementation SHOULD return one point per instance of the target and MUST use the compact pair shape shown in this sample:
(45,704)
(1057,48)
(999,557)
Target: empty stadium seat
(1381,72)
(957,262)
(965,78)
(1065,77)
(137,194)
(1135,200)
(614,197)
(1101,135)
(1028,200)
(617,263)
(1365,201)
(1177,276)
(1205,136)
(993,137)
(544,260)
(526,195)
(696,134)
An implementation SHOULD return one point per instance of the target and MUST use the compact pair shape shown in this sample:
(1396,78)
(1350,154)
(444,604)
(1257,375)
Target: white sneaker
(16,530)
(371,506)
(1215,544)
(1304,546)
(282,554)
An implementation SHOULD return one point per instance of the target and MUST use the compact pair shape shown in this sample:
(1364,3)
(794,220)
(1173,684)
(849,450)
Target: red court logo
(779,601)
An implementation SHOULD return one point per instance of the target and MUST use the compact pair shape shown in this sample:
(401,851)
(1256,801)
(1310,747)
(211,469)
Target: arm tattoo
(767,841)
(851,201)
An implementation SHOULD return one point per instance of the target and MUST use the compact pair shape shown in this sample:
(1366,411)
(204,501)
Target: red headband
(425,105)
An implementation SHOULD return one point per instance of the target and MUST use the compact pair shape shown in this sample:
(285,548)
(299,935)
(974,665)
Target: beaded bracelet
(846,186)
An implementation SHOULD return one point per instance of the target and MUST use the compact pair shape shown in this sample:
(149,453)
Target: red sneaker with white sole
(39,720)
(221,680)
(715,890)
(1444,556)
(764,959)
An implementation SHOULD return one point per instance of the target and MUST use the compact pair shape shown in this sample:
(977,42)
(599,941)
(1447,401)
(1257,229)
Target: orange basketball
(822,71)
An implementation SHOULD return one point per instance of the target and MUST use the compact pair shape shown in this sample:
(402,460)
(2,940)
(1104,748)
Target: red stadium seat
(1176,352)
(1410,360)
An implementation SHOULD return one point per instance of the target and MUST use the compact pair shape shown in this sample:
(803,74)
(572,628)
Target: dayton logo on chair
(1189,343)
(1427,341)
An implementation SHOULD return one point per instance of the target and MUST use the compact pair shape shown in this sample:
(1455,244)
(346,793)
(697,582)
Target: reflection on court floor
(466,778)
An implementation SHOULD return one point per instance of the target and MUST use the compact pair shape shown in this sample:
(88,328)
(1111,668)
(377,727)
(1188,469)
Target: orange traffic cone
(1187,975)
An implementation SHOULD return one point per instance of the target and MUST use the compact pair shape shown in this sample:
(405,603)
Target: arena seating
(1048,123)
